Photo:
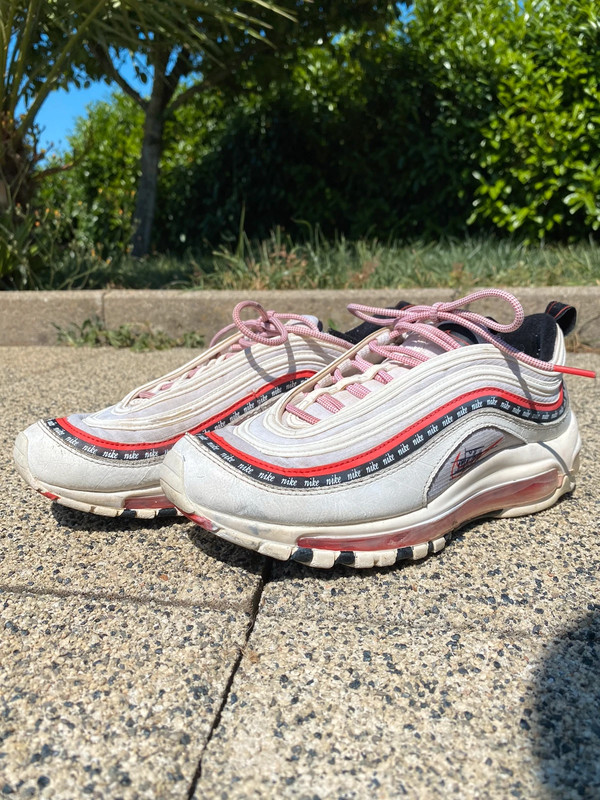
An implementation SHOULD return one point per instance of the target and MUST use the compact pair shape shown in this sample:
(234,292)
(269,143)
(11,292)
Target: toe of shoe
(197,480)
(43,460)
(189,477)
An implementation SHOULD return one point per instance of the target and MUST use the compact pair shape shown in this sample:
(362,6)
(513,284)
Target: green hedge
(482,116)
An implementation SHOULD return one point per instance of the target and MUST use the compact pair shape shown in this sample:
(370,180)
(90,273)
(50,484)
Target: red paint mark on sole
(160,501)
(201,521)
(520,493)
(49,495)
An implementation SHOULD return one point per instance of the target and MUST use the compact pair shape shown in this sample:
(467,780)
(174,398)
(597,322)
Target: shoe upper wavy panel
(385,453)
(216,387)
(451,388)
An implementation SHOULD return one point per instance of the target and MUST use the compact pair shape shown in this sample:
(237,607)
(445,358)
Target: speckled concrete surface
(374,710)
(52,548)
(117,637)
(471,674)
(108,699)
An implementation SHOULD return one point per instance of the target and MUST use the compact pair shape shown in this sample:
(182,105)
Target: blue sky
(61,109)
(59,113)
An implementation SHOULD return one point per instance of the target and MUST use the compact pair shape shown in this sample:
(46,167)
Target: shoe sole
(539,476)
(146,503)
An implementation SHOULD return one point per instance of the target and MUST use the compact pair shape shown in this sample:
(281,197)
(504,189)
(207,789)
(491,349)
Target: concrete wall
(29,318)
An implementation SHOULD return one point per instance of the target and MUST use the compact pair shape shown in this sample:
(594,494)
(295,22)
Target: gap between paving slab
(29,318)
(256,600)
(103,702)
(55,541)
(134,630)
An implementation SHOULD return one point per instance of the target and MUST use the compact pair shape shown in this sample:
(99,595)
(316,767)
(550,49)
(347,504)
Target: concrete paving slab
(108,699)
(30,317)
(46,547)
(473,673)
(364,709)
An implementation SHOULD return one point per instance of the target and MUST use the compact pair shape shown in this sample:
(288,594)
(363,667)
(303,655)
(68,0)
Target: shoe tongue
(360,332)
(459,333)
(310,319)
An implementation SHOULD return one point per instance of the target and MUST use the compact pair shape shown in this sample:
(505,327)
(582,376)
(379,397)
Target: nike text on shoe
(108,462)
(440,417)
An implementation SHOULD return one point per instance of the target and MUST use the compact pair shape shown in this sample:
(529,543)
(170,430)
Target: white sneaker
(108,462)
(425,425)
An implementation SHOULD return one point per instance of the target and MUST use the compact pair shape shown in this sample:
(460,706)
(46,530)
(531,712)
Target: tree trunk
(145,202)
(3,195)
(163,89)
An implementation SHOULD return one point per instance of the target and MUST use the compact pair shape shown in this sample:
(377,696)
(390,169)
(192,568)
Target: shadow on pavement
(84,521)
(226,553)
(566,715)
(213,547)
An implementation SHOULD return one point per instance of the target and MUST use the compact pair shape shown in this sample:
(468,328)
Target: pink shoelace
(270,328)
(422,320)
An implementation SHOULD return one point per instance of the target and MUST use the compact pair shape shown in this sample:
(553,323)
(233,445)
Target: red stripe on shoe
(389,444)
(214,420)
(49,495)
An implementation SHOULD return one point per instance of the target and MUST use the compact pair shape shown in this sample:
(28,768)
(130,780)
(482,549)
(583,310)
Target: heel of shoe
(536,497)
(541,493)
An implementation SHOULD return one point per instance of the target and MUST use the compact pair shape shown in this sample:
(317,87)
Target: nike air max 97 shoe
(440,417)
(108,462)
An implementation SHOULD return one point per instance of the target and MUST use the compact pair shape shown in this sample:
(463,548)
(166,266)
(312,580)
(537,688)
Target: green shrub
(91,195)
(357,142)
(539,170)
(19,255)
(484,115)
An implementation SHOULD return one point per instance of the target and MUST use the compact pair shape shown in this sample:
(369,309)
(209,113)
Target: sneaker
(108,462)
(441,417)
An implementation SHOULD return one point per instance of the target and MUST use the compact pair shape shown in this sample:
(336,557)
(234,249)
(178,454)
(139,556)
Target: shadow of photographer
(567,712)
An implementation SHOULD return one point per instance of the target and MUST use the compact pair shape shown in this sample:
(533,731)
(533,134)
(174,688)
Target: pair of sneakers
(360,448)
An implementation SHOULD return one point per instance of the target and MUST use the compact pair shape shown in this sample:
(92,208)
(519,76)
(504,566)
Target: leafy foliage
(19,255)
(344,144)
(49,44)
(485,115)
(94,198)
(539,154)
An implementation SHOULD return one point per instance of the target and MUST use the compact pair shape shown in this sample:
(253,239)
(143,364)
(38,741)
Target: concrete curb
(29,318)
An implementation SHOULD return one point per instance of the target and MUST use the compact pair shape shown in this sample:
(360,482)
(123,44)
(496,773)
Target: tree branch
(113,73)
(198,88)
(181,68)
(44,173)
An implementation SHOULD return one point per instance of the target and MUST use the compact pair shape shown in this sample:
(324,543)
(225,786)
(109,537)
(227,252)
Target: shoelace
(270,328)
(422,320)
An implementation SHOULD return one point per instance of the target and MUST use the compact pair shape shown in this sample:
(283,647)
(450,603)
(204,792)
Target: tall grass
(319,263)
